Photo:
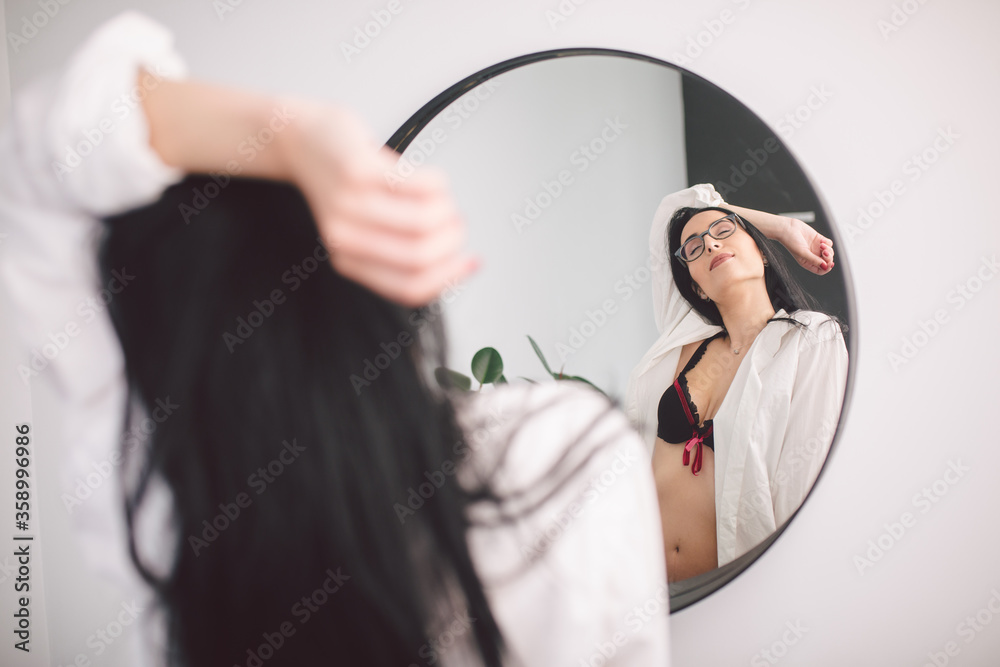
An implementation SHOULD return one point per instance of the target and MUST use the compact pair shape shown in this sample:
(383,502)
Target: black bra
(678,416)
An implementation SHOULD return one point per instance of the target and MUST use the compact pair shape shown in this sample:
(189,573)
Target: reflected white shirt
(599,564)
(774,428)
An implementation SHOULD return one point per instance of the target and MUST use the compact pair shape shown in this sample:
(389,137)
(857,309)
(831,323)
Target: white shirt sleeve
(76,147)
(592,575)
(813,414)
(669,307)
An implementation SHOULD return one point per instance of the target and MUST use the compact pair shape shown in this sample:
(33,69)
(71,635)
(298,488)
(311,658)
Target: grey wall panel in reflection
(739,155)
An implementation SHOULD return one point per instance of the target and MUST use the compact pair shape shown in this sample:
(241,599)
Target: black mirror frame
(688,591)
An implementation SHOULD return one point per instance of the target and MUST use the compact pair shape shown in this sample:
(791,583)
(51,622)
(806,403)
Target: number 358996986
(22,486)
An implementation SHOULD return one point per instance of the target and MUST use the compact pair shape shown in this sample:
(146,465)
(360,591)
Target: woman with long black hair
(740,396)
(253,261)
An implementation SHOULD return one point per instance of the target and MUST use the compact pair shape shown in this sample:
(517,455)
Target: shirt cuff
(706,195)
(97,134)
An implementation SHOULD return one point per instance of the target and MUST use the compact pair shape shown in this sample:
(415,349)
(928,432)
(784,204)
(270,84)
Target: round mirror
(559,161)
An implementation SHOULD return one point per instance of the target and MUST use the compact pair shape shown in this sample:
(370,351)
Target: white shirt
(599,536)
(775,426)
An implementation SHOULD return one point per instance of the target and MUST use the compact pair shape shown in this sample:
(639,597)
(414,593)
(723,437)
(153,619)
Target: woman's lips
(719,260)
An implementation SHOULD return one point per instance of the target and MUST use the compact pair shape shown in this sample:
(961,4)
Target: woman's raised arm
(811,250)
(400,237)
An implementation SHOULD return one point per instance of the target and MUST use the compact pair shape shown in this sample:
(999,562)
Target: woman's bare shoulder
(687,351)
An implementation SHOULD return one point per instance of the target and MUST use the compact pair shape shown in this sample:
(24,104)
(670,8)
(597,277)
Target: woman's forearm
(772,226)
(202,128)
(810,249)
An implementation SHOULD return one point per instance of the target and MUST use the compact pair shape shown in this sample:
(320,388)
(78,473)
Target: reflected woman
(739,398)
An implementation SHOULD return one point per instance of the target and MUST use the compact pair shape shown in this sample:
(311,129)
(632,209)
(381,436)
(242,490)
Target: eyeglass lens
(719,229)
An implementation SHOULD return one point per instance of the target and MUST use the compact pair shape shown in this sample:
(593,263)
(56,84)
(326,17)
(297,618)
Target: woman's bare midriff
(687,501)
(687,510)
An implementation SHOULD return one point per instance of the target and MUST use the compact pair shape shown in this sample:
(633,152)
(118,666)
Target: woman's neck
(745,317)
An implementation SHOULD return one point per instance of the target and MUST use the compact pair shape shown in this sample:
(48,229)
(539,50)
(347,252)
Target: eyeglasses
(720,229)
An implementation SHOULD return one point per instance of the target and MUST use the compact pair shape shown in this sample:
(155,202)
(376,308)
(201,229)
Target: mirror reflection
(643,231)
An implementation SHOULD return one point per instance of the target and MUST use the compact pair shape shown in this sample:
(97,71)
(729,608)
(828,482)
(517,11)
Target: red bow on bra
(696,439)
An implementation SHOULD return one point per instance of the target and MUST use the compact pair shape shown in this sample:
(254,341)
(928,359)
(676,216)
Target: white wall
(15,410)
(890,94)
(558,167)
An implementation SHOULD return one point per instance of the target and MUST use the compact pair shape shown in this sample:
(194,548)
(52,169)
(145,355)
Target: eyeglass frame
(736,219)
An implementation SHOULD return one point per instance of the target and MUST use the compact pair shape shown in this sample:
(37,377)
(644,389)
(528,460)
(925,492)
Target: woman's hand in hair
(393,229)
(397,233)
(811,250)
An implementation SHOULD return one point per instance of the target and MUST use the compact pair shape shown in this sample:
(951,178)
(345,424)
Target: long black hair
(302,418)
(783,289)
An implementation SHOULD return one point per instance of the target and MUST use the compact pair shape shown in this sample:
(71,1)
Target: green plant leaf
(502,380)
(521,377)
(541,356)
(580,379)
(487,366)
(457,380)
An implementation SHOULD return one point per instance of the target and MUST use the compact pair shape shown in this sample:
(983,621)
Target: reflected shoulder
(819,327)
